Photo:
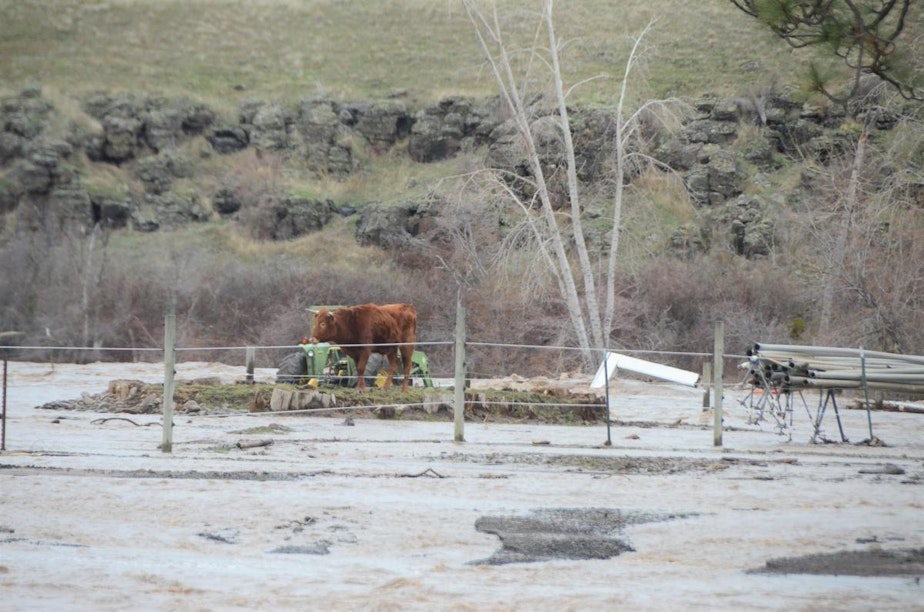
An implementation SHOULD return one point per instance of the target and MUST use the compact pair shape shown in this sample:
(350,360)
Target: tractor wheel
(292,368)
(377,362)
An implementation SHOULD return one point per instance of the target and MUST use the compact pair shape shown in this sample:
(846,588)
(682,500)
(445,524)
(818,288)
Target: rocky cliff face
(43,159)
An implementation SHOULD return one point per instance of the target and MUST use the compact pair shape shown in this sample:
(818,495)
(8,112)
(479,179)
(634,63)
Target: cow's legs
(407,354)
(361,370)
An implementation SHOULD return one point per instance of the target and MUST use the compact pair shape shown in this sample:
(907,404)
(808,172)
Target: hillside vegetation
(188,131)
(224,52)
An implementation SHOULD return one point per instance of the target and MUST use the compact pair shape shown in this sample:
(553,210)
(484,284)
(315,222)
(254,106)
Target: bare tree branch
(620,186)
(591,324)
(502,68)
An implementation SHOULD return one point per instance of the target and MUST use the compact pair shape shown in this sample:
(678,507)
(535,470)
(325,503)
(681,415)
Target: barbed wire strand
(470,344)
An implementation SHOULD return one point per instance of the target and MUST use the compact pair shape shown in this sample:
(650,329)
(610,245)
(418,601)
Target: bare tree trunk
(836,261)
(590,291)
(496,53)
(582,303)
(620,179)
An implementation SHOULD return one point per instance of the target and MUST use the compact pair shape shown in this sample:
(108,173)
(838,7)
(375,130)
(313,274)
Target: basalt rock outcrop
(151,148)
(392,226)
(453,125)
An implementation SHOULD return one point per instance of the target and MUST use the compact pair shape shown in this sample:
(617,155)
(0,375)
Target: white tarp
(615,361)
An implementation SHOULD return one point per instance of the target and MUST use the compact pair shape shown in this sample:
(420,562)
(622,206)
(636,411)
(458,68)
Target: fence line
(593,349)
(295,346)
(468,376)
(435,343)
(205,348)
(83,348)
(551,347)
(462,374)
(471,372)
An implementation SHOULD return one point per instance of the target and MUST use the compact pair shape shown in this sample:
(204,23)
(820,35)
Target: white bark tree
(87,258)
(577,283)
(835,266)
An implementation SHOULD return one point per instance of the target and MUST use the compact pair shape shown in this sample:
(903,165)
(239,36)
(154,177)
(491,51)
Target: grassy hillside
(226,50)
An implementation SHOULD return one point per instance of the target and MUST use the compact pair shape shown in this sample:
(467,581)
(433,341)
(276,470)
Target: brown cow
(362,330)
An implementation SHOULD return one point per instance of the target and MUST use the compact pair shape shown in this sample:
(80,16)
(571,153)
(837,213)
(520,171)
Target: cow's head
(324,329)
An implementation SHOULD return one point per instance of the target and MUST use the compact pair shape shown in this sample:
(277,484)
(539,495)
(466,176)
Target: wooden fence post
(8,340)
(719,373)
(169,365)
(459,397)
(606,391)
(707,382)
(3,435)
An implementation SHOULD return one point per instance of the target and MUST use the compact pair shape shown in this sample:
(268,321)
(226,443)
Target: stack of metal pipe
(791,367)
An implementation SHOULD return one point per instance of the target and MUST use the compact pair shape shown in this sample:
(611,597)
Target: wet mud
(563,533)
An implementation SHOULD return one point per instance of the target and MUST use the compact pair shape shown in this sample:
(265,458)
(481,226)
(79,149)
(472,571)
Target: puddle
(316,548)
(900,562)
(547,534)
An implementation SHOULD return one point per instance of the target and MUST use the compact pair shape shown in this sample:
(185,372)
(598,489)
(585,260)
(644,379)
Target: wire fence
(565,365)
(550,361)
(542,360)
(465,356)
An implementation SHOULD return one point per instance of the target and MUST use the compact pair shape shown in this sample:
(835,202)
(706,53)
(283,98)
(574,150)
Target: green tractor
(327,364)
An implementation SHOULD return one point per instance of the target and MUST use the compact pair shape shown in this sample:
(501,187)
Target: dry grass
(657,204)
(226,50)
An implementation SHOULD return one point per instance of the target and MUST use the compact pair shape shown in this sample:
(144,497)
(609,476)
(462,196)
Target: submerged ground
(260,511)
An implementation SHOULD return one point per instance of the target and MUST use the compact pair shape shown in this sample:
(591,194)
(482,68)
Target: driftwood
(245,444)
(427,472)
(888,468)
(101,421)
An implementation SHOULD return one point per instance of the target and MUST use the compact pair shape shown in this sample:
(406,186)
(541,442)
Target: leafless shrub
(682,300)
(879,302)
(257,182)
(865,244)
